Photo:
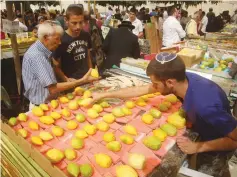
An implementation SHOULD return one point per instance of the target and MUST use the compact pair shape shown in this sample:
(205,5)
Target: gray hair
(49,28)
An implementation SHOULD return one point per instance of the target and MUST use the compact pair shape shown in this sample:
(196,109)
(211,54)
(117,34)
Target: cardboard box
(191,56)
(59,173)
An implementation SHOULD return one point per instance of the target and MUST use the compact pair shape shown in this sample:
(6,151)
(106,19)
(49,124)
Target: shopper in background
(203,24)
(138,30)
(211,21)
(22,26)
(234,17)
(117,47)
(184,18)
(53,15)
(172,30)
(191,27)
(147,17)
(117,15)
(124,15)
(165,14)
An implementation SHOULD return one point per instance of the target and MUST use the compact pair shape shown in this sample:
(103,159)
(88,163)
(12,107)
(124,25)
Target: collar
(43,49)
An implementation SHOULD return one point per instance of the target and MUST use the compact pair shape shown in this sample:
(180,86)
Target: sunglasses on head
(165,57)
(51,22)
(76,5)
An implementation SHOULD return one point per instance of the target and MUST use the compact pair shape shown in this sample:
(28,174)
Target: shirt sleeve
(180,30)
(140,28)
(192,29)
(44,71)
(222,121)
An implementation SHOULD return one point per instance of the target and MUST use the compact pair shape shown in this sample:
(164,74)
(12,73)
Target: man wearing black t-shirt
(72,58)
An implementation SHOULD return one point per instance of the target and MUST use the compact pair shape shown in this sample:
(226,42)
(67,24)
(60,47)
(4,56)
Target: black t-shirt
(73,52)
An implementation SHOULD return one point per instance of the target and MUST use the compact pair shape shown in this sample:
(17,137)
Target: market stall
(121,118)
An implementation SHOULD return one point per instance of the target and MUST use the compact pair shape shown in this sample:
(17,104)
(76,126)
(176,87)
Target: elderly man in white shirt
(172,29)
(138,30)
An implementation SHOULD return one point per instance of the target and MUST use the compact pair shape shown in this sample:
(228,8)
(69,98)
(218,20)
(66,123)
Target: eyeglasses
(165,57)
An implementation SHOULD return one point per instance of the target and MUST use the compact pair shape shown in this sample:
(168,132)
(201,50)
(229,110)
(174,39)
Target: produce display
(104,139)
(216,65)
(22,42)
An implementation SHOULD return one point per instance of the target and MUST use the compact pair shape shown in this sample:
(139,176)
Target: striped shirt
(37,73)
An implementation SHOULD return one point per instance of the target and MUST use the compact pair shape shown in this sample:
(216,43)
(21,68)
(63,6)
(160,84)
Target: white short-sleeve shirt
(204,24)
(172,31)
(138,26)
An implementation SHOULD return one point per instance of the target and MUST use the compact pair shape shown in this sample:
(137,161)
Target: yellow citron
(92,113)
(125,171)
(176,120)
(130,129)
(114,146)
(66,113)
(97,107)
(102,126)
(127,139)
(81,134)
(33,125)
(130,104)
(147,119)
(79,91)
(54,104)
(22,117)
(160,134)
(23,133)
(55,115)
(36,140)
(87,94)
(94,73)
(103,160)
(141,102)
(90,129)
(46,136)
(63,100)
(108,137)
(71,124)
(57,131)
(73,105)
(85,102)
(47,120)
(55,155)
(44,107)
(37,111)
(109,118)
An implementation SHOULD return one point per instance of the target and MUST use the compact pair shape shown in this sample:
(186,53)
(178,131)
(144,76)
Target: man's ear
(170,82)
(66,20)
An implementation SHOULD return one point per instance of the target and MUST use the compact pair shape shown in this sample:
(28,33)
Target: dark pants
(214,165)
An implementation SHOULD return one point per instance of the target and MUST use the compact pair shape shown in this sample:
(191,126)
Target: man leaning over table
(37,72)
(206,106)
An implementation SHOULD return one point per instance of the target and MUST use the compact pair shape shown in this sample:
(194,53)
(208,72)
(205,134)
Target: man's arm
(180,30)
(124,93)
(89,59)
(221,144)
(58,87)
(140,28)
(59,73)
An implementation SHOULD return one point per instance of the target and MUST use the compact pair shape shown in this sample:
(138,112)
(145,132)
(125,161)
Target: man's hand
(97,97)
(71,79)
(187,146)
(88,78)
